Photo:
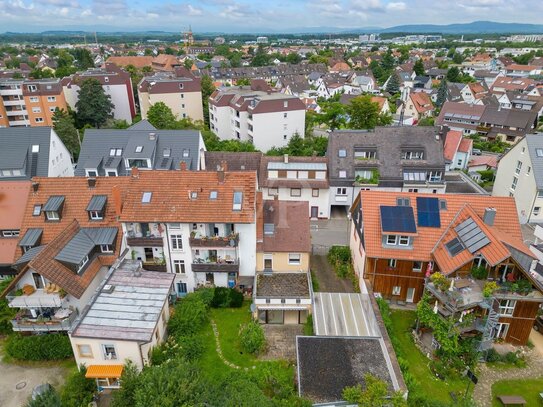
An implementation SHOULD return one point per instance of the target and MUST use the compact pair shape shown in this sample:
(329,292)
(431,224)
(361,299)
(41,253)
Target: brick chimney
(183,166)
(91,182)
(117,199)
(135,172)
(285,158)
(222,170)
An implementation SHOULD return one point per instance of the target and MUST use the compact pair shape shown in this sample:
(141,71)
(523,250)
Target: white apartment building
(264,118)
(297,179)
(197,230)
(178,90)
(520,175)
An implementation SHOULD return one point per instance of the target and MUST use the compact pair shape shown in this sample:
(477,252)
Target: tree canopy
(161,116)
(94,106)
(64,126)
(363,113)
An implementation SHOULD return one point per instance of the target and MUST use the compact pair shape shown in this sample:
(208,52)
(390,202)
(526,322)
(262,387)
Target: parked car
(476,151)
(538,324)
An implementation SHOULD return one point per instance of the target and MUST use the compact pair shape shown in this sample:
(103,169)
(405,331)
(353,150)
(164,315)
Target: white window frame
(273,191)
(96,215)
(403,240)
(508,308)
(106,248)
(419,267)
(83,263)
(518,169)
(396,290)
(294,259)
(177,242)
(52,215)
(105,354)
(296,192)
(315,192)
(392,263)
(391,240)
(341,191)
(514,183)
(179,267)
(85,355)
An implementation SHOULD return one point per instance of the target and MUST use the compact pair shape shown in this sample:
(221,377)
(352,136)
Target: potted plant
(489,288)
(193,234)
(62,293)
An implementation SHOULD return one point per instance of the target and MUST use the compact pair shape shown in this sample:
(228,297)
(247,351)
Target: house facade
(197,230)
(387,158)
(180,91)
(519,176)
(398,240)
(264,118)
(457,151)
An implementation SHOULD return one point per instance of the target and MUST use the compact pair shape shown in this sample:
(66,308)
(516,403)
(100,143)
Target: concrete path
(281,341)
(537,339)
(482,394)
(328,233)
(326,276)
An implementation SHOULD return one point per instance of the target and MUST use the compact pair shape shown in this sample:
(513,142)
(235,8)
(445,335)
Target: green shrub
(78,390)
(124,397)
(205,294)
(251,337)
(189,316)
(6,313)
(224,297)
(308,326)
(342,270)
(38,347)
(341,254)
(48,399)
(479,273)
(191,348)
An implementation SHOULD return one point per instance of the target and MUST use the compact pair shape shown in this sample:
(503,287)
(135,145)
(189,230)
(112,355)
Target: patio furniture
(512,400)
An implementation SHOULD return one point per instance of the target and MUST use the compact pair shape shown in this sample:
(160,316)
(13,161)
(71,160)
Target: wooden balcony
(155,267)
(150,241)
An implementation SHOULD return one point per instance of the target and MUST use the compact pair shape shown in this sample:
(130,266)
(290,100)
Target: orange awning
(104,371)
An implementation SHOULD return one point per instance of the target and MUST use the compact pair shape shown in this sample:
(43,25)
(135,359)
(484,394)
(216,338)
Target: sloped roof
(137,61)
(174,204)
(294,163)
(235,161)
(534,143)
(488,160)
(422,102)
(506,221)
(13,198)
(452,143)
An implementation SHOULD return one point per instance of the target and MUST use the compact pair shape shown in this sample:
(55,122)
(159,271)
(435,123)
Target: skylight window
(186,153)
(37,210)
(36,148)
(539,152)
(213,195)
(166,152)
(146,197)
(139,149)
(193,195)
(238,198)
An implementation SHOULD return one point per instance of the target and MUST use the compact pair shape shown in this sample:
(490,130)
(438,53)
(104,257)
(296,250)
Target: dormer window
(166,152)
(82,264)
(53,208)
(413,155)
(115,152)
(186,153)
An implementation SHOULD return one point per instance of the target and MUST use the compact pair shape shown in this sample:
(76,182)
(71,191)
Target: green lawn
(529,389)
(417,363)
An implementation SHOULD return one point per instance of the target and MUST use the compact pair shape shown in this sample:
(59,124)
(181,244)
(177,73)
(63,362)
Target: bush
(124,397)
(189,316)
(308,326)
(205,294)
(78,390)
(341,254)
(6,313)
(48,399)
(251,337)
(38,347)
(479,273)
(224,297)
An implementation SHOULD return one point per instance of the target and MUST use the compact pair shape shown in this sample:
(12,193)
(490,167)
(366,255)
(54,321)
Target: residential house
(116,83)
(507,125)
(33,151)
(125,320)
(519,175)
(14,196)
(400,239)
(69,237)
(457,151)
(390,158)
(165,62)
(461,116)
(487,77)
(506,83)
(473,92)
(522,71)
(179,90)
(29,102)
(295,85)
(264,118)
(138,62)
(418,105)
(282,289)
(297,179)
(196,230)
(113,152)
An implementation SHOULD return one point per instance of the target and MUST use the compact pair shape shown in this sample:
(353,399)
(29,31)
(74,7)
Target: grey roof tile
(31,237)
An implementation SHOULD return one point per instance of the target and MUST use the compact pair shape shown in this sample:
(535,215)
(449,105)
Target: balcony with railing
(144,235)
(61,319)
(215,265)
(198,240)
(31,298)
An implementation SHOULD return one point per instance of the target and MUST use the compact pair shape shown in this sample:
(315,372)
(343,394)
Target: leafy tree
(64,64)
(453,74)
(418,67)
(318,59)
(78,390)
(426,121)
(387,62)
(169,51)
(148,52)
(457,58)
(374,395)
(306,146)
(161,116)
(93,106)
(260,58)
(83,58)
(393,85)
(147,69)
(442,93)
(187,63)
(189,316)
(64,126)
(6,313)
(124,397)
(363,113)
(293,58)
(48,399)
(136,77)
(251,337)
(39,73)
(333,115)
(235,59)
(243,82)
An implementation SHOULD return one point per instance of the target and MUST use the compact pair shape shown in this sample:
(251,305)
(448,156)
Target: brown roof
(452,143)
(235,161)
(138,62)
(518,67)
(77,195)
(291,226)
(171,197)
(427,238)
(422,102)
(509,83)
(169,82)
(282,285)
(265,181)
(13,197)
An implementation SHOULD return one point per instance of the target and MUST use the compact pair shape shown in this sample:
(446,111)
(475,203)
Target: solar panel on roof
(454,246)
(398,219)
(471,235)
(428,212)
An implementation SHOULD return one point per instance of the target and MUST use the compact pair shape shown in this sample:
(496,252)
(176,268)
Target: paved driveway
(330,232)
(328,280)
(27,377)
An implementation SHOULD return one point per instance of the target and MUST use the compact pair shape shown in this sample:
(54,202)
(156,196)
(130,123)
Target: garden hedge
(38,347)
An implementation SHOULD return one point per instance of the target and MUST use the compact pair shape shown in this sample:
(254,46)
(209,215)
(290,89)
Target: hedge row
(39,347)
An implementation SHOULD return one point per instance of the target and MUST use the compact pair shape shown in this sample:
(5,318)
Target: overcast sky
(255,15)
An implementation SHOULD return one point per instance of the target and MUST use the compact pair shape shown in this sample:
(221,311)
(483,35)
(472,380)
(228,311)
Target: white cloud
(397,6)
(194,11)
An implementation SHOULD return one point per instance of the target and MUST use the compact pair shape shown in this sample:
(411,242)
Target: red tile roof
(422,102)
(465,145)
(488,160)
(171,197)
(452,143)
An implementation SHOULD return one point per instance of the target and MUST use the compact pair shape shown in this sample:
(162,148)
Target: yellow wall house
(125,320)
(282,288)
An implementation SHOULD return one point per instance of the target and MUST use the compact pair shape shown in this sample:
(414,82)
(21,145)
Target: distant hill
(477,27)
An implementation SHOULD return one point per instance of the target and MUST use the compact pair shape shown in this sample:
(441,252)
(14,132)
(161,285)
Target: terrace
(61,319)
